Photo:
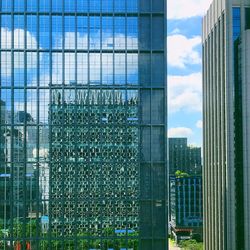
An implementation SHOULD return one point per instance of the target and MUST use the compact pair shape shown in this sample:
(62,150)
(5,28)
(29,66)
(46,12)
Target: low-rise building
(186,217)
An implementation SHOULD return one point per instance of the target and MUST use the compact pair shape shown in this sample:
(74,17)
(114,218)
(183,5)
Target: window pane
(145,144)
(95,70)
(107,68)
(94,6)
(43,106)
(158,173)
(82,32)
(132,33)
(6,37)
(19,5)
(44,35)
(69,29)
(145,5)
(132,69)
(82,68)
(31,108)
(31,32)
(107,33)
(158,6)
(82,5)
(132,5)
(107,6)
(57,5)
(19,68)
(158,33)
(6,107)
(145,69)
(157,109)
(120,6)
(57,64)
(120,69)
(157,144)
(94,33)
(44,69)
(145,34)
(31,60)
(57,32)
(158,69)
(146,106)
(6,5)
(69,5)
(19,32)
(120,31)
(69,69)
(6,69)
(44,5)
(32,5)
(19,101)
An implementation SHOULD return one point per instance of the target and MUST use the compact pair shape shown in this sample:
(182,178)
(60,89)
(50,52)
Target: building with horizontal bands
(226,81)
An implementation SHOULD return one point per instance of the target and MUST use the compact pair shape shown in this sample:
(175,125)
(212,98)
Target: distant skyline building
(83,84)
(184,157)
(226,85)
(186,213)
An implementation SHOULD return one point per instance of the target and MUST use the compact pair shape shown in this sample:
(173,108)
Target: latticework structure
(94,162)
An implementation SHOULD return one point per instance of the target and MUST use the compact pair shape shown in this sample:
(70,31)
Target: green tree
(181,174)
(44,244)
(83,242)
(17,228)
(31,228)
(191,245)
(1,228)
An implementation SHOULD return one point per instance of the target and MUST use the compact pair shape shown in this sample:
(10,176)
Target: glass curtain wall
(83,124)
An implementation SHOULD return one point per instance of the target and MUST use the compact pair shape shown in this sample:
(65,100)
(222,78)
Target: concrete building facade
(226,82)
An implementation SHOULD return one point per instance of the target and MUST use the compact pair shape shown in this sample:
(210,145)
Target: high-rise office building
(184,157)
(226,39)
(84,88)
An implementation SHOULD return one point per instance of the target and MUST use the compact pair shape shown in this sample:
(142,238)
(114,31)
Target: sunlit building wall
(226,56)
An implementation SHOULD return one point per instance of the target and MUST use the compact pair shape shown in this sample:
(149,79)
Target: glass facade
(186,213)
(83,124)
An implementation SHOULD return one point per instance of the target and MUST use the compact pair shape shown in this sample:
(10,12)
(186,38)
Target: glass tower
(83,124)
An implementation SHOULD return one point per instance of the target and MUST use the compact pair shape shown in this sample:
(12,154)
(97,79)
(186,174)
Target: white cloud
(57,64)
(182,50)
(199,124)
(185,93)
(95,59)
(175,31)
(18,43)
(181,9)
(180,132)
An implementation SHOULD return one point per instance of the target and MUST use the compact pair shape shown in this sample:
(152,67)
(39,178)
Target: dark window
(247,18)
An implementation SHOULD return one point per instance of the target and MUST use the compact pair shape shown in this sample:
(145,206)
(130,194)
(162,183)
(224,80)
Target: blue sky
(184,58)
(184,68)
